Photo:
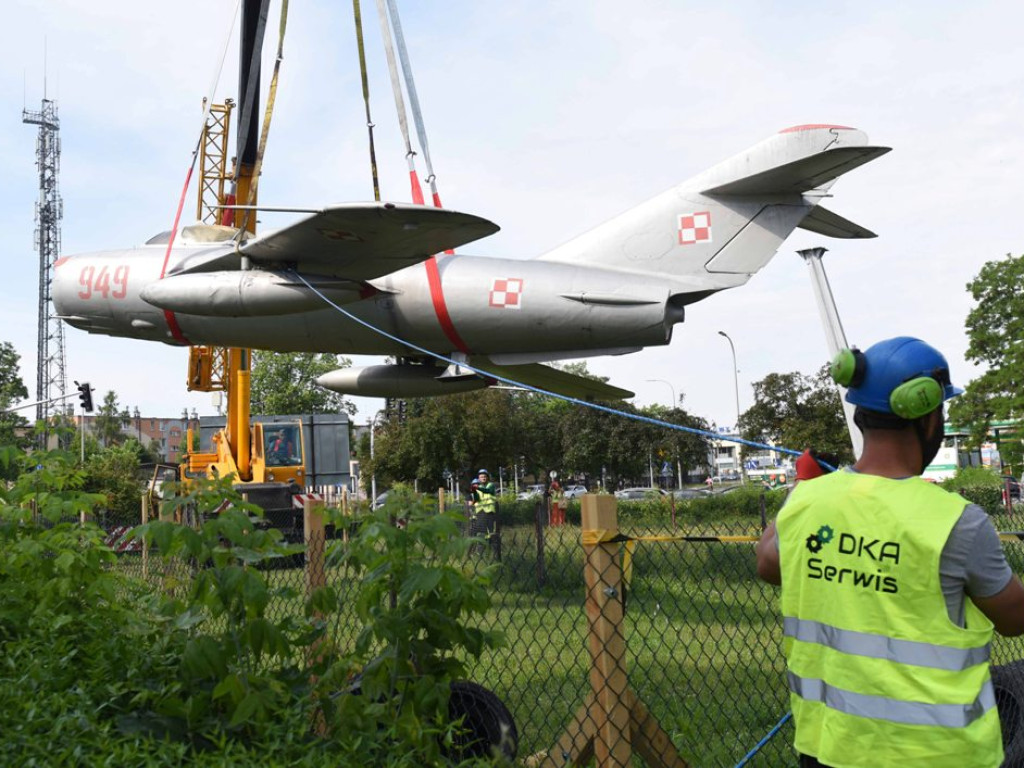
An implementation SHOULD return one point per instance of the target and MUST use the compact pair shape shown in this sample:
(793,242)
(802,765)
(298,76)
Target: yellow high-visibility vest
(486,503)
(878,674)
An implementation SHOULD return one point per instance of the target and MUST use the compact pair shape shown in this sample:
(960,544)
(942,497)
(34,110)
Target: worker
(891,586)
(556,513)
(484,505)
(281,449)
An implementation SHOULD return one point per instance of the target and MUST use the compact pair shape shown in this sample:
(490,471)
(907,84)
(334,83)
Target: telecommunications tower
(51,382)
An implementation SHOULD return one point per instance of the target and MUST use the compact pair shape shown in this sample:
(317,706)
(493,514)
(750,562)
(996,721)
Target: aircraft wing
(554,380)
(361,241)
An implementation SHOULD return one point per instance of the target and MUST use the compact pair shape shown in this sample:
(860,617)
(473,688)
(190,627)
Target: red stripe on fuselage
(175,329)
(440,308)
(172,321)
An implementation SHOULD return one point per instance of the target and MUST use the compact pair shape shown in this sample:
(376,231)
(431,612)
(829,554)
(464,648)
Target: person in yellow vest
(484,504)
(891,586)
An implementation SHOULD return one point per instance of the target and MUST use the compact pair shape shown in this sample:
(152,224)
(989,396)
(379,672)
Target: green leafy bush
(978,485)
(99,668)
(414,600)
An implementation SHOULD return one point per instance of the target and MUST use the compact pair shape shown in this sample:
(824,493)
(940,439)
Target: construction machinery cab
(278,453)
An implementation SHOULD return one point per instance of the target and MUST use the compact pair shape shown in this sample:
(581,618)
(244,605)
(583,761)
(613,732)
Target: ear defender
(848,367)
(915,398)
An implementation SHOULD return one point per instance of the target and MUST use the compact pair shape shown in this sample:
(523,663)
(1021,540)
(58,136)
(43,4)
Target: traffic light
(85,395)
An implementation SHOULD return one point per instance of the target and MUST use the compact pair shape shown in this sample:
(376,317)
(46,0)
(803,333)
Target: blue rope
(585,404)
(765,740)
(520,385)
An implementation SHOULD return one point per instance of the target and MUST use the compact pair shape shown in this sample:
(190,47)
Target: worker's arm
(1005,608)
(767,551)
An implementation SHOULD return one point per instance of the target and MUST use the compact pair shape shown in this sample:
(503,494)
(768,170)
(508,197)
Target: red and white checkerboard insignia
(340,234)
(507,293)
(695,228)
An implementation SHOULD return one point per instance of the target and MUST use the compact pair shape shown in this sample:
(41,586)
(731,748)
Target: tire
(487,726)
(1008,682)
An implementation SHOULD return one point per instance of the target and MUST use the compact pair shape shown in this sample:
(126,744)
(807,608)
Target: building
(163,436)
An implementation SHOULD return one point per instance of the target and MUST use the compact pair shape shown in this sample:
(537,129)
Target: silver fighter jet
(611,291)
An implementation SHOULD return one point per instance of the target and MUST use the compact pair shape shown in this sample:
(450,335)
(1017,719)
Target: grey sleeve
(987,570)
(973,560)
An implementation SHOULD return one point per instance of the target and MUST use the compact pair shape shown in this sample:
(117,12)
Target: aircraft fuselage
(464,303)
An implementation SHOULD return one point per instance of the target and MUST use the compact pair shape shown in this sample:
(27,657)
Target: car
(639,493)
(690,493)
(530,492)
(575,491)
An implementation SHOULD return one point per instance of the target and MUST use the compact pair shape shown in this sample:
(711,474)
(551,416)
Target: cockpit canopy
(198,234)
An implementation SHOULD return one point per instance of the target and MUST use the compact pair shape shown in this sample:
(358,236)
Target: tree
(795,411)
(285,382)
(113,473)
(13,426)
(110,421)
(460,433)
(995,330)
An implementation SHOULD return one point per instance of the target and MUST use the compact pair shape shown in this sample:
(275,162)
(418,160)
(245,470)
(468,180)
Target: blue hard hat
(483,472)
(890,363)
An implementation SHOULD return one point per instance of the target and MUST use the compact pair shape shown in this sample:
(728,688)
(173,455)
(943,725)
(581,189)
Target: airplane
(614,290)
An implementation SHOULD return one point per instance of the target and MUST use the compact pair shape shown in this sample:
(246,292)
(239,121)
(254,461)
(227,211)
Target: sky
(547,118)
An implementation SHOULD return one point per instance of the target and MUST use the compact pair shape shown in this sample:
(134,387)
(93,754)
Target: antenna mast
(51,381)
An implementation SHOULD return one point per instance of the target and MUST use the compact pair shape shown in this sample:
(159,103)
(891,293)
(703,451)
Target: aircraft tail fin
(717,229)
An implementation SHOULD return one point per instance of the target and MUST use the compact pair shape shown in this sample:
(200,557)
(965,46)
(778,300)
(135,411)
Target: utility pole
(51,380)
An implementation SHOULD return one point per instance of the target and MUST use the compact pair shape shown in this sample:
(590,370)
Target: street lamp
(675,402)
(138,423)
(736,383)
(373,476)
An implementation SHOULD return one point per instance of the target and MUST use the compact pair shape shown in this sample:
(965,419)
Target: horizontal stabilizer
(824,222)
(553,380)
(800,175)
(361,241)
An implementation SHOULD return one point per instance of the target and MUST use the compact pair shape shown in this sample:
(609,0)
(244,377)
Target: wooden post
(344,514)
(440,500)
(603,575)
(538,526)
(316,541)
(146,504)
(315,537)
(612,720)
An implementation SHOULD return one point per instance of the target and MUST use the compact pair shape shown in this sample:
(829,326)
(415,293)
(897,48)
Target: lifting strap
(414,101)
(172,321)
(366,97)
(396,88)
(267,115)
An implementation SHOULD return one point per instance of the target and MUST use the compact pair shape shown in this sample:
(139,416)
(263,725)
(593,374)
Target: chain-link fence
(644,646)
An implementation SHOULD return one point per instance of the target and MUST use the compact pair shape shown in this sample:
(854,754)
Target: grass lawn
(703,638)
